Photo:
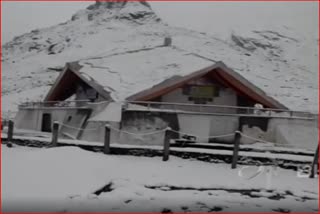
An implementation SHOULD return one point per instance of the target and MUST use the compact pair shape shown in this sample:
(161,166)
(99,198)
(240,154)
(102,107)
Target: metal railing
(183,107)
(51,104)
(223,109)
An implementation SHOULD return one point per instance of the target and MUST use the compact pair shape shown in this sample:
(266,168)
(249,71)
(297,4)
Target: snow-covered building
(209,100)
(214,85)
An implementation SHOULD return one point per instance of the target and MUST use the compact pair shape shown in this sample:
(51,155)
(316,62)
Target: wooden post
(55,133)
(166,145)
(291,113)
(10,131)
(106,148)
(236,147)
(314,170)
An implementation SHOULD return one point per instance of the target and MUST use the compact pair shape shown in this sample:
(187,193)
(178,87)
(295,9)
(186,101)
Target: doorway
(46,122)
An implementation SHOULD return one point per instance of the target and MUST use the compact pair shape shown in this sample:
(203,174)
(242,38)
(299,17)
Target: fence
(166,145)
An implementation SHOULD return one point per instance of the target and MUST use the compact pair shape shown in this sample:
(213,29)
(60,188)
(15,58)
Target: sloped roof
(218,71)
(129,72)
(139,72)
(65,84)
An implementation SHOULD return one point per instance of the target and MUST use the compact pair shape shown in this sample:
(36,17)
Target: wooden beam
(237,137)
(315,163)
(106,148)
(166,145)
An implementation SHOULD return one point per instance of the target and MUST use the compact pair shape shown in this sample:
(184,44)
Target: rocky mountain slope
(279,61)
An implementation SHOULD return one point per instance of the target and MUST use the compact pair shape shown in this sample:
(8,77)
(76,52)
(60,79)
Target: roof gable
(220,72)
(66,83)
(71,76)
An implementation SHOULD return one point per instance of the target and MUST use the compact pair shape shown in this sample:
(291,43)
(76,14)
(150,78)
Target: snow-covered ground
(69,179)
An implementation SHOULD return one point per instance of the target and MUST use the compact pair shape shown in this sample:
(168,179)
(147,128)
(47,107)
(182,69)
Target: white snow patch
(65,179)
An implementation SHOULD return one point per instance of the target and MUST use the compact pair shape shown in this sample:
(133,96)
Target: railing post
(315,163)
(291,113)
(166,145)
(106,148)
(10,132)
(237,137)
(55,133)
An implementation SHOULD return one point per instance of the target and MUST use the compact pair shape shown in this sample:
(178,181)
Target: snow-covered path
(69,179)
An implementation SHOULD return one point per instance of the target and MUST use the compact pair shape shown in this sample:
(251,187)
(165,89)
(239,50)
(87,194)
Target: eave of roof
(233,78)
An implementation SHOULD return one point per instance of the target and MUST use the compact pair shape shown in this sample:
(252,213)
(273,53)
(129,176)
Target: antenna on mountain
(167,41)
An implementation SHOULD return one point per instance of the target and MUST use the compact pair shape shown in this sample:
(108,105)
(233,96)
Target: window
(91,94)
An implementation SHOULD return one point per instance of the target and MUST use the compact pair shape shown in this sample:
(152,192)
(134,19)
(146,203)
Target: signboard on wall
(202,91)
(196,91)
(201,94)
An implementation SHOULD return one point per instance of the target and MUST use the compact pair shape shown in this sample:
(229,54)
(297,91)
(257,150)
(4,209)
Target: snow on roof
(131,72)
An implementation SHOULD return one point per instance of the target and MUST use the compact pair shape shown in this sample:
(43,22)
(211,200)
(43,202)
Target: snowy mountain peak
(88,22)
(116,4)
(138,12)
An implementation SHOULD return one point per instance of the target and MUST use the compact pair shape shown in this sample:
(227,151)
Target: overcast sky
(211,17)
